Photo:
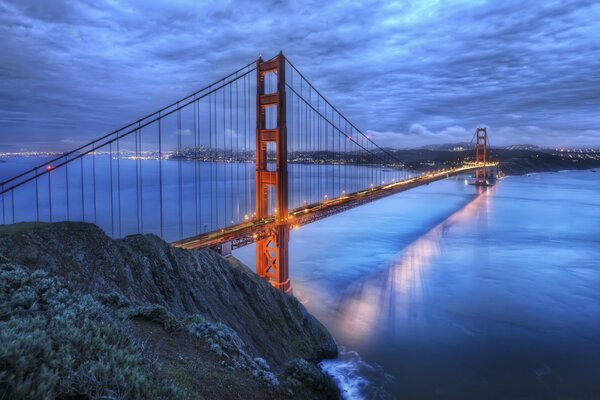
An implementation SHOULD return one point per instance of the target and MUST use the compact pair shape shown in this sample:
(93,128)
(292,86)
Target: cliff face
(148,270)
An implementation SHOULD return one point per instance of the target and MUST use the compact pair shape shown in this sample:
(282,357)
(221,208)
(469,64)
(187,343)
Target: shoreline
(592,169)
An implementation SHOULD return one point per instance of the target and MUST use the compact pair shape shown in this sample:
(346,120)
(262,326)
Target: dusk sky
(411,73)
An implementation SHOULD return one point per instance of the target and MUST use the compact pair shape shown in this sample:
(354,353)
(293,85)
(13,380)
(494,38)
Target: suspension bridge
(243,160)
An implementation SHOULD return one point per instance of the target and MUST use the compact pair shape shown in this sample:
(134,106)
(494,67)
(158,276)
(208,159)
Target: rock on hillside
(148,270)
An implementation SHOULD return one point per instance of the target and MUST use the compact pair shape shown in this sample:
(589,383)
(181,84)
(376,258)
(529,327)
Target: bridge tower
(481,156)
(272,251)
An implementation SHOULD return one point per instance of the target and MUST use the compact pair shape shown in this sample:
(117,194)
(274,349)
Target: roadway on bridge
(249,232)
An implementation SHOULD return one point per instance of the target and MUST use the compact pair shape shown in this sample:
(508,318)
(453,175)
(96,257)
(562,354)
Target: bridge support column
(225,249)
(272,252)
(481,156)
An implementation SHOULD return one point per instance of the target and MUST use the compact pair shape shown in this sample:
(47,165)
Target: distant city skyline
(409,74)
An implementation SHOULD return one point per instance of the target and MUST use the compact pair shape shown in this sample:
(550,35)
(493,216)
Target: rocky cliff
(240,320)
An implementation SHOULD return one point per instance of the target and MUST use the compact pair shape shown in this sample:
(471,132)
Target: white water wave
(358,379)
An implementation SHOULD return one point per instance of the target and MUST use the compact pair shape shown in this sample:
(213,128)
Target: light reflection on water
(442,293)
(387,297)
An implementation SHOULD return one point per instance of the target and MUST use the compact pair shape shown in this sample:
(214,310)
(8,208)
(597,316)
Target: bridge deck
(245,233)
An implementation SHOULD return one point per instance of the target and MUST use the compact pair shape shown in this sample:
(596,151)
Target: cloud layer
(411,73)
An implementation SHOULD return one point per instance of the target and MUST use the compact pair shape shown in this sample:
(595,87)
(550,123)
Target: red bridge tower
(272,251)
(481,156)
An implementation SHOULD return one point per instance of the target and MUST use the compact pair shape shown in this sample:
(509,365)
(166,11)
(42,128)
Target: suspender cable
(237,74)
(119,185)
(141,185)
(247,207)
(209,153)
(229,162)
(112,206)
(225,185)
(314,110)
(196,162)
(82,194)
(67,190)
(49,198)
(160,186)
(290,149)
(237,147)
(319,94)
(37,201)
(213,184)
(319,147)
(221,150)
(311,147)
(94,145)
(179,175)
(137,182)
(94,185)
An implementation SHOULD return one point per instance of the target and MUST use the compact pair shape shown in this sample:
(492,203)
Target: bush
(114,299)
(222,340)
(154,313)
(299,375)
(225,342)
(55,343)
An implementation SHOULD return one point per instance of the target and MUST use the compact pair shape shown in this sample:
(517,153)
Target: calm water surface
(438,292)
(441,292)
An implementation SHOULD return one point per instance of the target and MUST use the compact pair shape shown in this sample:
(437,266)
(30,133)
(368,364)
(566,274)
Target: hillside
(217,329)
(513,161)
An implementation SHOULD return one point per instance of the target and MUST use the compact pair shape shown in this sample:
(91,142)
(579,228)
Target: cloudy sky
(410,72)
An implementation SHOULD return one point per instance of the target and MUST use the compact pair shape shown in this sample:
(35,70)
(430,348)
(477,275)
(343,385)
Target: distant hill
(448,146)
(470,145)
(523,147)
(512,161)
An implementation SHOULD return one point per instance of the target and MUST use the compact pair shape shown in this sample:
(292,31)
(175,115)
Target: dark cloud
(410,72)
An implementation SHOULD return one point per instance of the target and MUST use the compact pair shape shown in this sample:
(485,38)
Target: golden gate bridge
(243,160)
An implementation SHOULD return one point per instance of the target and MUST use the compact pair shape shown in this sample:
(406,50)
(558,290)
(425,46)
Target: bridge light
(246,217)
(49,168)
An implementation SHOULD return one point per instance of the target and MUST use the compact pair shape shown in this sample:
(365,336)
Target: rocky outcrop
(147,270)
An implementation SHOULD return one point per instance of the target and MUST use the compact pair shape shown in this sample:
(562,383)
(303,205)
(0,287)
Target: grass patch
(182,380)
(19,227)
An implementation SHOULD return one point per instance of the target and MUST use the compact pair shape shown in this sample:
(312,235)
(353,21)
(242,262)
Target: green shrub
(55,343)
(225,342)
(154,313)
(299,375)
(114,299)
